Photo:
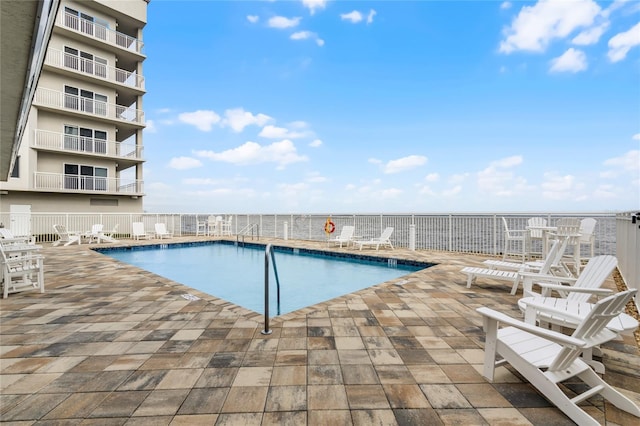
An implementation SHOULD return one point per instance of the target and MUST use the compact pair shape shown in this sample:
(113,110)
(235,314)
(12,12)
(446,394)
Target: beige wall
(51,202)
(137,9)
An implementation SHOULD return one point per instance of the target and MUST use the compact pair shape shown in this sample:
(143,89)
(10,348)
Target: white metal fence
(628,248)
(480,233)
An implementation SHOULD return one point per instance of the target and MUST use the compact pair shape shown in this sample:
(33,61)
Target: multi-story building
(82,147)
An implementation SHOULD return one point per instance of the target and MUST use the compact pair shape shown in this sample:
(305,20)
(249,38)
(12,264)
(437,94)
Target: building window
(15,173)
(85,62)
(85,178)
(85,139)
(88,101)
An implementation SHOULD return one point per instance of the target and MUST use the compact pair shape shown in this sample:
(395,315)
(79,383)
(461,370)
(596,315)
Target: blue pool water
(236,274)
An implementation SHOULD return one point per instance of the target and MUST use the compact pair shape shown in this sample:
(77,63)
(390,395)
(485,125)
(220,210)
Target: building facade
(82,149)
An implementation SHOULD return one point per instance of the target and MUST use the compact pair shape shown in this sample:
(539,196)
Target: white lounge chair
(109,236)
(65,237)
(138,232)
(383,240)
(514,276)
(345,237)
(546,358)
(22,267)
(556,268)
(161,231)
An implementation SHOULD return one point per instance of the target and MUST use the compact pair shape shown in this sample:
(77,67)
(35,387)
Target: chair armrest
(554,336)
(571,289)
(537,304)
(546,277)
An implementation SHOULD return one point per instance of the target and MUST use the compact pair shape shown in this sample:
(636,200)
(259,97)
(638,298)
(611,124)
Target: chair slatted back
(554,256)
(386,234)
(591,326)
(61,230)
(593,275)
(568,227)
(587,226)
(536,221)
(138,228)
(347,232)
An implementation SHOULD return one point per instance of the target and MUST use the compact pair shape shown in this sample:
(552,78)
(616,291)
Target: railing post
(412,237)
(285,231)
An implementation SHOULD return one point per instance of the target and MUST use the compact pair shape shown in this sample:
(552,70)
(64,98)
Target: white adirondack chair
(65,237)
(546,358)
(514,241)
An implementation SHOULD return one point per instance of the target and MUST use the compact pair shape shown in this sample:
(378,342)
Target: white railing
(73,143)
(58,58)
(628,249)
(59,182)
(99,32)
(55,99)
(465,233)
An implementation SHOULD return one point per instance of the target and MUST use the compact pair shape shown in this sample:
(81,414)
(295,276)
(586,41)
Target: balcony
(99,32)
(75,144)
(88,106)
(78,65)
(59,182)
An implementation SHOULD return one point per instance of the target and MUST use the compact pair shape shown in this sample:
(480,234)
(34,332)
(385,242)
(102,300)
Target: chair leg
(609,393)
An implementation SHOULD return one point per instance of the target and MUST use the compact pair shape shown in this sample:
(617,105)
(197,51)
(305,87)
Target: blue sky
(319,106)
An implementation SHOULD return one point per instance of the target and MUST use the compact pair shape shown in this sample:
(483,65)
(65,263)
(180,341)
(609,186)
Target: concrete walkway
(109,343)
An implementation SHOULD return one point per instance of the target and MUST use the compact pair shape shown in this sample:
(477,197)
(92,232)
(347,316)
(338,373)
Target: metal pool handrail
(268,252)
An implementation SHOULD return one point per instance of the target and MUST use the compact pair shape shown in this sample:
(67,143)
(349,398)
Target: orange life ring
(329,227)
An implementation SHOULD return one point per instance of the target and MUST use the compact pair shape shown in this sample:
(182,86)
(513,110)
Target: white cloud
(202,119)
(590,35)
(636,137)
(151,126)
(315,177)
(304,35)
(432,177)
(201,181)
(452,191)
(390,193)
(273,132)
(498,180)
(313,5)
(620,44)
(505,5)
(354,16)
(184,163)
(253,18)
(557,187)
(315,143)
(572,60)
(281,153)
(536,26)
(282,22)
(628,162)
(404,164)
(374,161)
(238,119)
(459,178)
(370,16)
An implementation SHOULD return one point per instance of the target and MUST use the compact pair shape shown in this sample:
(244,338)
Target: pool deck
(110,344)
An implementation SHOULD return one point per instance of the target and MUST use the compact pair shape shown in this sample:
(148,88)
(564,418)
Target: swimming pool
(236,273)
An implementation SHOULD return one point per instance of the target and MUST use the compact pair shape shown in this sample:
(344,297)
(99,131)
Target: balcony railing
(55,99)
(60,59)
(81,144)
(59,182)
(100,32)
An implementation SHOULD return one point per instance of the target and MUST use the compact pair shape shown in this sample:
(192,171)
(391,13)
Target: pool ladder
(269,253)
(249,229)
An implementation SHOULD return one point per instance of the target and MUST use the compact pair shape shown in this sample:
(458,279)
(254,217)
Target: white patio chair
(383,240)
(95,233)
(587,228)
(546,358)
(109,236)
(226,226)
(65,237)
(345,237)
(569,227)
(161,231)
(22,267)
(535,235)
(138,232)
(514,241)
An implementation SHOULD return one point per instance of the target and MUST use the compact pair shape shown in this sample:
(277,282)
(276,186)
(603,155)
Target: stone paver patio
(109,343)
